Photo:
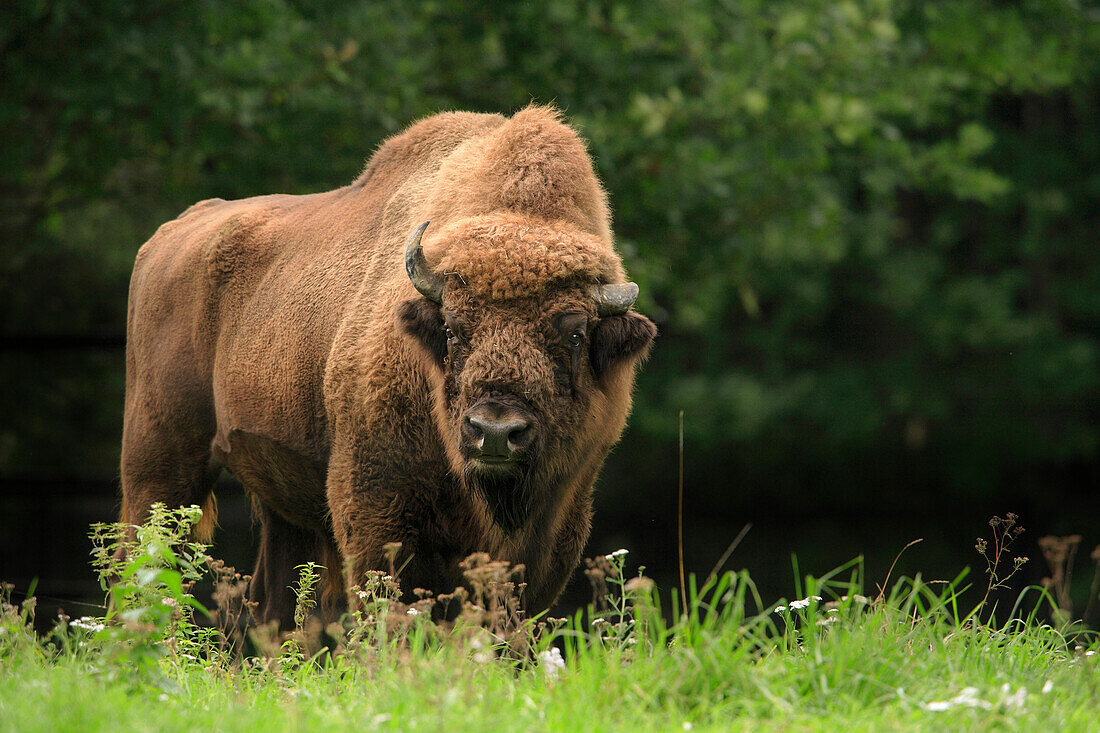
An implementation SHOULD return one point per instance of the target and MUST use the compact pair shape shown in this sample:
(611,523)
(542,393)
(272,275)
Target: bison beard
(332,350)
(508,493)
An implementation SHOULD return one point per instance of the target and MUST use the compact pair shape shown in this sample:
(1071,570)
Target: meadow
(906,656)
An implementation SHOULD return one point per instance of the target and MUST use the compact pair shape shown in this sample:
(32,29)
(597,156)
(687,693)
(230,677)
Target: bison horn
(614,300)
(423,279)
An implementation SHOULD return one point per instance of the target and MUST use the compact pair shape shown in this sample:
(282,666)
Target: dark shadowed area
(867,232)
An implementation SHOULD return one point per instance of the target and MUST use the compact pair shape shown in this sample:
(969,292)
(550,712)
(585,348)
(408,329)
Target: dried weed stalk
(233,612)
(1059,553)
(1005,531)
(1094,588)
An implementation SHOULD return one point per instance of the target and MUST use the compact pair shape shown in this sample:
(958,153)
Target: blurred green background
(867,231)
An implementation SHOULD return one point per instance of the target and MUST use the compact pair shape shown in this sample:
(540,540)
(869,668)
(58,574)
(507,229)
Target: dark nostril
(474,430)
(520,436)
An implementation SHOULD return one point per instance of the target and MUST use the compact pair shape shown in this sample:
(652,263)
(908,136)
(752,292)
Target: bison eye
(573,328)
(452,329)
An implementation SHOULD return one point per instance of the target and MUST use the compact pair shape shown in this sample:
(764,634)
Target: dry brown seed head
(640,584)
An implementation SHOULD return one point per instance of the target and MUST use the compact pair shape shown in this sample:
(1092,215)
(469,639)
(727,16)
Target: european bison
(370,378)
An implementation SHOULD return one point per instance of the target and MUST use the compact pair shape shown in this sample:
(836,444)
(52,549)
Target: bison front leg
(372,506)
(166,458)
(363,520)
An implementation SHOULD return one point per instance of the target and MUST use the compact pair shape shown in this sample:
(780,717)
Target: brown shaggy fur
(280,337)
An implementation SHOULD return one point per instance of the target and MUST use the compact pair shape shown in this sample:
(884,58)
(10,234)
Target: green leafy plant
(148,572)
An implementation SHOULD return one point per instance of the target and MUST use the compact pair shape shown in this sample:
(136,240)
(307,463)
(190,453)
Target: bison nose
(497,436)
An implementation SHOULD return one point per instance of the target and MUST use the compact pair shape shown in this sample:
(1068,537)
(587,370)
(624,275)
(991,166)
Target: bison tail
(203,531)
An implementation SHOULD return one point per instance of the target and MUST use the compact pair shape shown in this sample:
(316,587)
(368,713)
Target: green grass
(909,660)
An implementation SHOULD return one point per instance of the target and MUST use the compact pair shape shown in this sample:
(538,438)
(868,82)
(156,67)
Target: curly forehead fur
(508,256)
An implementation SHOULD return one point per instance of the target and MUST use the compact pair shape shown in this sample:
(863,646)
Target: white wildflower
(170,602)
(938,706)
(780,609)
(805,602)
(412,612)
(1047,686)
(87,622)
(616,553)
(551,662)
(967,698)
(1016,699)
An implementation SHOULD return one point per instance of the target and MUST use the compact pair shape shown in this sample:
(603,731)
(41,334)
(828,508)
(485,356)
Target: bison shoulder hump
(232,246)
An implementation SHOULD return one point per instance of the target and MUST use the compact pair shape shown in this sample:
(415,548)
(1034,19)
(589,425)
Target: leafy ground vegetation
(907,656)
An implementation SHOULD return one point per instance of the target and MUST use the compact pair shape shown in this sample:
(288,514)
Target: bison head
(532,358)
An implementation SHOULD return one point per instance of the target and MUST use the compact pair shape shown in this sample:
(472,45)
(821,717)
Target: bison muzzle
(440,354)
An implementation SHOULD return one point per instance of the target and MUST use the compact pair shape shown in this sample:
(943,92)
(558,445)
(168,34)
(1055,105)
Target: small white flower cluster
(617,554)
(170,602)
(1012,699)
(798,605)
(482,648)
(87,622)
(968,698)
(412,612)
(551,662)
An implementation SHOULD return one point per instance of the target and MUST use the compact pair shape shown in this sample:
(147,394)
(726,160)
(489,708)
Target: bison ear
(617,338)
(422,319)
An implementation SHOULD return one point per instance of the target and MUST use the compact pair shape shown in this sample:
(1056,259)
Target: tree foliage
(866,228)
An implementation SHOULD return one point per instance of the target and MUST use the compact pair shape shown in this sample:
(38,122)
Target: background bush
(866,229)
